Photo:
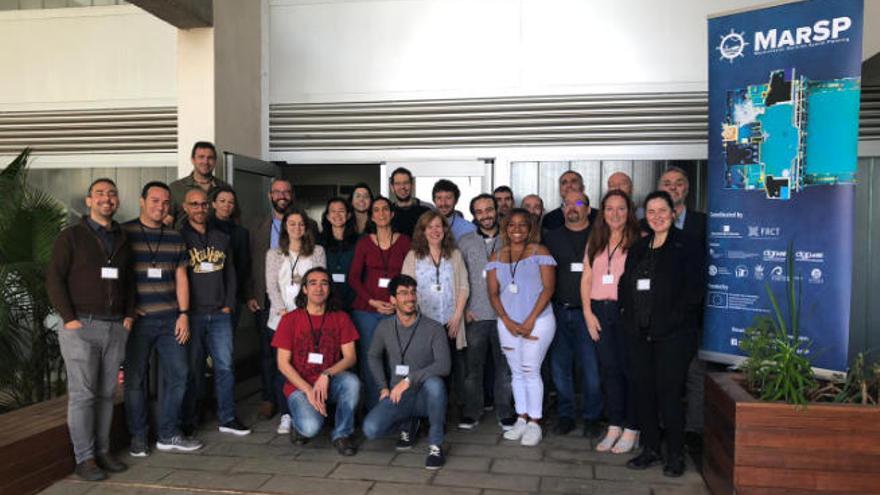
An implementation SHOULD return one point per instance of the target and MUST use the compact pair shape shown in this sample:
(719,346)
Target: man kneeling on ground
(417,352)
(315,348)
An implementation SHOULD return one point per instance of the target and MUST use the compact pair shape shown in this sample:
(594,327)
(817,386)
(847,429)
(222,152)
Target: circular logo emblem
(732,46)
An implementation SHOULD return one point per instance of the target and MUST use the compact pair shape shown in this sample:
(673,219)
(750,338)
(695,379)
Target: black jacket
(677,286)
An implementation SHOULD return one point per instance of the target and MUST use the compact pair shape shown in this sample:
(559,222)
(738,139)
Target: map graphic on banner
(784,88)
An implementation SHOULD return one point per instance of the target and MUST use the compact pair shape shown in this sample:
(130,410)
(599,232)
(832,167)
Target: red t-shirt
(329,331)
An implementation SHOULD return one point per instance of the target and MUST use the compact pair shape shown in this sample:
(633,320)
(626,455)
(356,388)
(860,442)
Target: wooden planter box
(752,446)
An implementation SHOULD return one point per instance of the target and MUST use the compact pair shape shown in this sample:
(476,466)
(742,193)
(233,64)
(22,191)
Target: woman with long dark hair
(359,203)
(615,231)
(339,236)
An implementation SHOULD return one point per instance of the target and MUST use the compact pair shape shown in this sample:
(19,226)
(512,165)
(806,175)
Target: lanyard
(153,254)
(611,255)
(512,266)
(400,343)
(316,341)
(436,267)
(293,268)
(492,249)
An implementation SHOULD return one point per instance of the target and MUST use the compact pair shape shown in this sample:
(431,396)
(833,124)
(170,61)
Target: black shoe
(344,446)
(138,447)
(563,426)
(467,423)
(593,428)
(110,464)
(405,441)
(296,438)
(236,428)
(88,470)
(435,459)
(507,423)
(674,468)
(644,460)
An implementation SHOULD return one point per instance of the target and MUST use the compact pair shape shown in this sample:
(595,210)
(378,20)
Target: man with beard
(212,286)
(445,195)
(264,238)
(534,204)
(407,209)
(569,181)
(480,322)
(504,199)
(572,346)
(204,160)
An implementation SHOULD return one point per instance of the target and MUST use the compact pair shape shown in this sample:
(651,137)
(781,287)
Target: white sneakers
(528,433)
(284,425)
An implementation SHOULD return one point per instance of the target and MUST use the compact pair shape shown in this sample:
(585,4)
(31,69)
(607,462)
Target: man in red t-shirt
(315,348)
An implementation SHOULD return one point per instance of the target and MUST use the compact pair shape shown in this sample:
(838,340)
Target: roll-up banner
(784,86)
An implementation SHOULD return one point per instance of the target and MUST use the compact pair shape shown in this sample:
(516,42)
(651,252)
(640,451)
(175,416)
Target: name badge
(577,267)
(643,284)
(339,278)
(109,273)
(316,358)
(608,279)
(383,283)
(484,273)
(513,289)
(401,370)
(436,287)
(154,273)
(206,267)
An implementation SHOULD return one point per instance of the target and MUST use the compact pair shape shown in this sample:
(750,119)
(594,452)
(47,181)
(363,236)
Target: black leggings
(659,370)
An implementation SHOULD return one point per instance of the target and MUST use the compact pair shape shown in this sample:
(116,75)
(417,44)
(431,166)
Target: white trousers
(524,357)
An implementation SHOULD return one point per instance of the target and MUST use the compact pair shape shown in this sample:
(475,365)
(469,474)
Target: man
(445,196)
(265,237)
(504,199)
(534,204)
(407,209)
(204,160)
(90,283)
(692,224)
(621,181)
(572,346)
(481,322)
(315,351)
(212,284)
(162,323)
(569,181)
(417,352)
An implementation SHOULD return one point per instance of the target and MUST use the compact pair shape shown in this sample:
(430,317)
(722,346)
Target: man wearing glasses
(212,286)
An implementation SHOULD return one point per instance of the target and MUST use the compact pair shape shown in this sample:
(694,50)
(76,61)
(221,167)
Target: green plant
(30,361)
(777,367)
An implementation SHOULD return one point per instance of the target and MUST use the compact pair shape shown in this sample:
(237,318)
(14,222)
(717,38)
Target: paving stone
(509,450)
(508,466)
(204,479)
(362,457)
(570,442)
(473,437)
(250,450)
(512,482)
(416,489)
(652,475)
(584,457)
(395,474)
(142,473)
(107,488)
(691,489)
(592,487)
(186,461)
(314,486)
(288,465)
(384,444)
(458,463)
(68,487)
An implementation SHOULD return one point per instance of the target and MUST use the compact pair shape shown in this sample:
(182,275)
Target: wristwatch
(326,373)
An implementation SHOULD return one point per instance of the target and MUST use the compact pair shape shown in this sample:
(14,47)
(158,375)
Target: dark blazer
(259,242)
(677,286)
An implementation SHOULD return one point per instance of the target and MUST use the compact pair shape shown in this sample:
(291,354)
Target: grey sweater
(426,356)
(476,252)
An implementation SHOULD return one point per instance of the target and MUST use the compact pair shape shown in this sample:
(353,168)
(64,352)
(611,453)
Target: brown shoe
(110,464)
(88,470)
(267,410)
(344,446)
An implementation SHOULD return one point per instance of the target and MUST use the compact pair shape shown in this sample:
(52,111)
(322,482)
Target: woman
(360,200)
(660,294)
(338,236)
(520,279)
(285,266)
(615,230)
(226,219)
(378,257)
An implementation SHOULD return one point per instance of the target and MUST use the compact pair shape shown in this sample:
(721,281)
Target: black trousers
(659,370)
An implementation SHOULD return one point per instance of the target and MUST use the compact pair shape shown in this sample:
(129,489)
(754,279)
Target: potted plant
(776,428)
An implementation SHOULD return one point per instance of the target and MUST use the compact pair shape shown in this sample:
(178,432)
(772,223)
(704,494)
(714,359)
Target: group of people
(385,311)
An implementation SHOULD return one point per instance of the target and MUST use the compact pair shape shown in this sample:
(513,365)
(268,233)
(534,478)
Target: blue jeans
(344,390)
(620,392)
(573,348)
(211,332)
(154,332)
(366,322)
(428,400)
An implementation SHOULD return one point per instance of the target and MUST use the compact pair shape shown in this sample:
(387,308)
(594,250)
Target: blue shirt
(275,233)
(459,226)
(525,275)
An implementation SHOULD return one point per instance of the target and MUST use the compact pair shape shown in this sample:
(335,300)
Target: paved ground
(478,462)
